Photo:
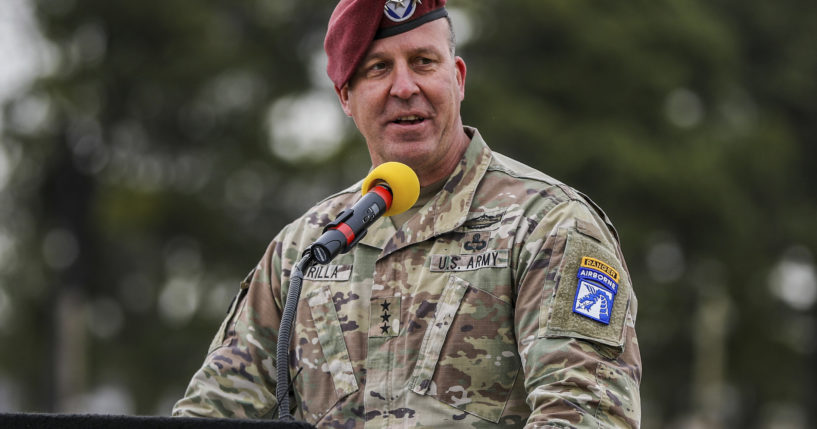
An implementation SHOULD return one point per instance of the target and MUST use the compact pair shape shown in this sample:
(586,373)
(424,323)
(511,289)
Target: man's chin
(407,138)
(410,152)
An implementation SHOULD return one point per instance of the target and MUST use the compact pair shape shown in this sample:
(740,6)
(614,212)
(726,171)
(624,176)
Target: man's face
(405,99)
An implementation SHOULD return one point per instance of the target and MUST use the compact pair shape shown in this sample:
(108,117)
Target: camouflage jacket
(504,302)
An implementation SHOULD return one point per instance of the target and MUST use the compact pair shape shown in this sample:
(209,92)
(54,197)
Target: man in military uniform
(500,299)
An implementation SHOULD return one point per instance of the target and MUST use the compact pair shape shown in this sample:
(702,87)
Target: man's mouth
(408,120)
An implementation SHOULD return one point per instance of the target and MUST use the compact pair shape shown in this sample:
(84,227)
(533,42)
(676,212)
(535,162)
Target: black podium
(101,421)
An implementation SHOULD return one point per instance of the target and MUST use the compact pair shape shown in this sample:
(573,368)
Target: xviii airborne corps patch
(596,291)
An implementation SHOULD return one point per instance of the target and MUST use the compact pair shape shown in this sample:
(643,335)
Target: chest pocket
(468,356)
(327,374)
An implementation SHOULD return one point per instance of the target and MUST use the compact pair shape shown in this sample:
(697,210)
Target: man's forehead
(431,38)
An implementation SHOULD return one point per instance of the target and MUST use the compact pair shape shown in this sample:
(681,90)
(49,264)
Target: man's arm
(238,376)
(576,334)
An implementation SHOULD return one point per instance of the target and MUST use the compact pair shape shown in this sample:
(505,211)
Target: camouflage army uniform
(464,317)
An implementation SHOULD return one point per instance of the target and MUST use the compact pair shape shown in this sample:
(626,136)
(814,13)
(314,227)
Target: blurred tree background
(159,147)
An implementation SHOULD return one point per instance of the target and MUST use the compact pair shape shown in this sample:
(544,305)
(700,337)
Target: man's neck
(441,170)
(426,194)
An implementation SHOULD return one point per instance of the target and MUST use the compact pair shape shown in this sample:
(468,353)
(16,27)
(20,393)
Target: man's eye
(378,66)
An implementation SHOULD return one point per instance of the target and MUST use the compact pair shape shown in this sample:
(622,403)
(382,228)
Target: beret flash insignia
(398,11)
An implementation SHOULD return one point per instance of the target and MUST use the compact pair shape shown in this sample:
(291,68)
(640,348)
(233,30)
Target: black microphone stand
(285,332)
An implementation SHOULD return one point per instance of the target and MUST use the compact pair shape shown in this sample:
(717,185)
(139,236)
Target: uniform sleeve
(237,379)
(575,324)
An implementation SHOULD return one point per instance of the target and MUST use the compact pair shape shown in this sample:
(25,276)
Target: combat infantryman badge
(596,291)
(397,11)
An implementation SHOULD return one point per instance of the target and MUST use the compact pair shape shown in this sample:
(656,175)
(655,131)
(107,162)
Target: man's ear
(343,96)
(459,64)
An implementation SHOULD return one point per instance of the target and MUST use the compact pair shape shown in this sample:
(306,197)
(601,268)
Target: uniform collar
(444,212)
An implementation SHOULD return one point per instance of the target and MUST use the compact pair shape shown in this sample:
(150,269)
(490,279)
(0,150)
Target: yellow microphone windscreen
(402,180)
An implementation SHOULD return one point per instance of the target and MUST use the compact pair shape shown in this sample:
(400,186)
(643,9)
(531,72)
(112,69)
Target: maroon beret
(356,23)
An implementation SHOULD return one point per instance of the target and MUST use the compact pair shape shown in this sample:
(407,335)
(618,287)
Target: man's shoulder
(530,180)
(352,192)
(538,194)
(325,210)
(512,167)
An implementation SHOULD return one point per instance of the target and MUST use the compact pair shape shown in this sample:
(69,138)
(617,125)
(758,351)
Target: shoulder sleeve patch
(591,296)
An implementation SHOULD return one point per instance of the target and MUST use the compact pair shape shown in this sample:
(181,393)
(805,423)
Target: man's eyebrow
(372,56)
(420,50)
(425,50)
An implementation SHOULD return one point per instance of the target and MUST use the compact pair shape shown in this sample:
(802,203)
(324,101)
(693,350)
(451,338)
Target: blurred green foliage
(149,171)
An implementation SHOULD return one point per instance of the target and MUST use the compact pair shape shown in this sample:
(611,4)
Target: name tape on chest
(596,290)
(331,273)
(468,262)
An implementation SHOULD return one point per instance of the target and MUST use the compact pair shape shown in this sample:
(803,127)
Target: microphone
(390,189)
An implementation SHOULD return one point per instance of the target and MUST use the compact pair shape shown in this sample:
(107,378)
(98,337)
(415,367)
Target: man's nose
(404,84)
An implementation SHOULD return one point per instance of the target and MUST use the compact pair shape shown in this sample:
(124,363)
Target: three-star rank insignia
(398,10)
(384,317)
(596,291)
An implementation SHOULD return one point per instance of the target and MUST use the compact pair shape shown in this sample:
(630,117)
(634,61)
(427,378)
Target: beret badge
(398,11)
